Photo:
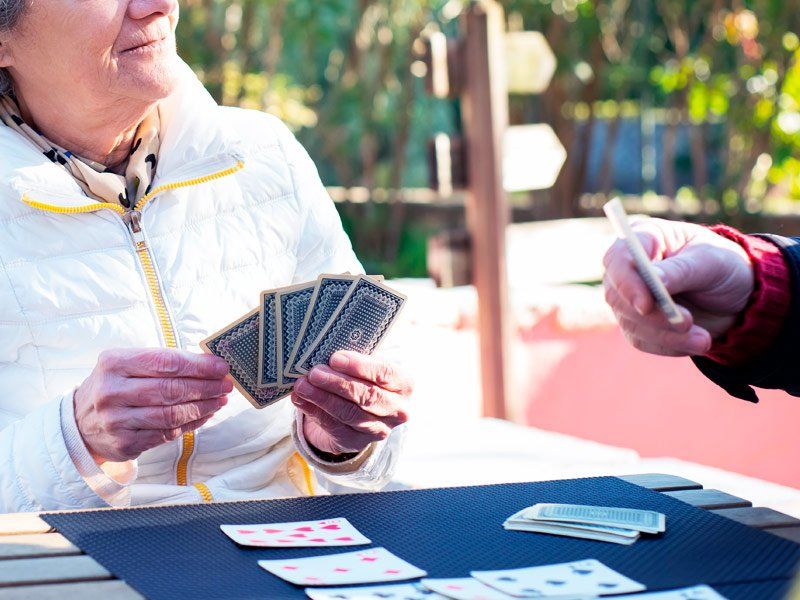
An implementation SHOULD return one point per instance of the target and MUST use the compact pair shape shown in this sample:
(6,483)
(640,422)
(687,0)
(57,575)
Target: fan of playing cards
(297,327)
(578,579)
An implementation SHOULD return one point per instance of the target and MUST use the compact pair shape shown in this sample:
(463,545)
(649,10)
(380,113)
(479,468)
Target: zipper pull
(133,219)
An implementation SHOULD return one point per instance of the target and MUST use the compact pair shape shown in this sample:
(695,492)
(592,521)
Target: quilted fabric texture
(180,552)
(71,285)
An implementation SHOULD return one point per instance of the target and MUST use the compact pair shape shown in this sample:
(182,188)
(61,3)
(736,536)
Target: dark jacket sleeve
(779,366)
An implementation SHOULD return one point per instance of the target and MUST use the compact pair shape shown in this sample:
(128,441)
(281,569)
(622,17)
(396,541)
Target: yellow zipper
(133,219)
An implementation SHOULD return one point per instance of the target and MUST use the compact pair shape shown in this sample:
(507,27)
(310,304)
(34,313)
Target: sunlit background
(687,108)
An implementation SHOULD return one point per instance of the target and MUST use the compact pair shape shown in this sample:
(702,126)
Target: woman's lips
(151,45)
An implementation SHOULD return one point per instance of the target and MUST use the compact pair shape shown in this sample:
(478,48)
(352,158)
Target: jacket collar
(193,144)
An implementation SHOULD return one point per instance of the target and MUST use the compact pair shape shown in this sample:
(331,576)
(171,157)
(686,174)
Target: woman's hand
(710,276)
(136,399)
(353,402)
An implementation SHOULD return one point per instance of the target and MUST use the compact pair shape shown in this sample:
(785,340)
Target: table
(36,562)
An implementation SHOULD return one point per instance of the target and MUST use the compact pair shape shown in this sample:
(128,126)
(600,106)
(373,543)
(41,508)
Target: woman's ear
(5,50)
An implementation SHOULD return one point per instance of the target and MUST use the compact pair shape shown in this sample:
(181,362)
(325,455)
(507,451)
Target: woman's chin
(154,79)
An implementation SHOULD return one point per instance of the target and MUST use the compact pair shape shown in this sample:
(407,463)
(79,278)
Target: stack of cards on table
(298,327)
(600,523)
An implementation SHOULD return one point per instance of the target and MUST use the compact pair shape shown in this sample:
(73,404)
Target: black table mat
(180,552)
(757,590)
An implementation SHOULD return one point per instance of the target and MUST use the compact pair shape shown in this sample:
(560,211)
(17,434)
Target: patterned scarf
(94,178)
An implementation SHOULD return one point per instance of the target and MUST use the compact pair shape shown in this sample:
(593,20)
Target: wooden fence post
(485,119)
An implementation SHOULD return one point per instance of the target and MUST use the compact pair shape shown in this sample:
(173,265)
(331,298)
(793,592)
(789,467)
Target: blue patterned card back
(290,312)
(237,344)
(359,324)
(331,290)
(268,342)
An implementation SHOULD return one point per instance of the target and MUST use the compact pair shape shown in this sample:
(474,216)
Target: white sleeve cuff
(111,481)
(329,468)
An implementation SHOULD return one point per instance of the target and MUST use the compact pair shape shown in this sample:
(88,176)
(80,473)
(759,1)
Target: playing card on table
(463,588)
(698,592)
(646,521)
(584,577)
(359,324)
(600,533)
(366,566)
(573,531)
(328,293)
(300,534)
(237,344)
(402,591)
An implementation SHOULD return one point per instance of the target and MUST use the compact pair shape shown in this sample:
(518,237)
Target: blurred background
(688,109)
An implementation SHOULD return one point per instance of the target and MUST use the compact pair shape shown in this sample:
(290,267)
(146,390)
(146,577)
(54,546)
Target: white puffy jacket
(237,207)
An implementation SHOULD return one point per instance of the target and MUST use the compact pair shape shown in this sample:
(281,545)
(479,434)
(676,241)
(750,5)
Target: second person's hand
(710,277)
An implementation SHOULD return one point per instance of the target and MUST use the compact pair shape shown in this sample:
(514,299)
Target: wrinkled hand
(355,401)
(710,277)
(136,399)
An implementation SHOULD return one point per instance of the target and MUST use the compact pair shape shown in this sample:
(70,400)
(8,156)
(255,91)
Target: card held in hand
(359,324)
(328,295)
(237,344)
(291,306)
(271,335)
(267,342)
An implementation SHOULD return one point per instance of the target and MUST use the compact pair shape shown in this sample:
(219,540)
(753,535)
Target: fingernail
(639,305)
(319,375)
(339,361)
(222,401)
(220,368)
(699,341)
(227,386)
(303,388)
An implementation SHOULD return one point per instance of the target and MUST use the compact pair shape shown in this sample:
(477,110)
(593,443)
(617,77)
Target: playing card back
(237,344)
(291,307)
(282,314)
(360,323)
(646,521)
(328,294)
(268,341)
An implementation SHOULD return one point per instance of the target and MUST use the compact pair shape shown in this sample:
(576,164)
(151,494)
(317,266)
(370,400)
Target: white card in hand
(402,591)
(300,534)
(463,588)
(366,566)
(588,577)
(698,592)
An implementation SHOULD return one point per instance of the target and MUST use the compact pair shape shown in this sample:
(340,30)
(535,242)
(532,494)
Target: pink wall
(599,388)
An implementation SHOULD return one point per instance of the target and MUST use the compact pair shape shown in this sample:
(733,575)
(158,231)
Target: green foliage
(340,73)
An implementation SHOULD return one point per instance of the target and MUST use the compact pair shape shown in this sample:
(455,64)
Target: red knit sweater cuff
(761,321)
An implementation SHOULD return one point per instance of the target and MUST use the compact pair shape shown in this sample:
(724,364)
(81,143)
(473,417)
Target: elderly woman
(137,217)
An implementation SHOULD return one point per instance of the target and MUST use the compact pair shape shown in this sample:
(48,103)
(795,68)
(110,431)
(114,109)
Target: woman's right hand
(137,399)
(710,277)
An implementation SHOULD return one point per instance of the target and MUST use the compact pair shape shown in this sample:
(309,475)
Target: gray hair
(10,14)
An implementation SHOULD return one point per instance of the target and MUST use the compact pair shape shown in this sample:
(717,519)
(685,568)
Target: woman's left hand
(355,401)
